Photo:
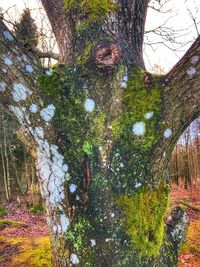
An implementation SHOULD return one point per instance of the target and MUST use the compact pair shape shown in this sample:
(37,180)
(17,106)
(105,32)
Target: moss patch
(34,252)
(139,99)
(2,211)
(9,223)
(192,245)
(92,10)
(143,219)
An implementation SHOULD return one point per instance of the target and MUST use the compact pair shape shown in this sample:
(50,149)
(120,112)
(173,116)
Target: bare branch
(47,54)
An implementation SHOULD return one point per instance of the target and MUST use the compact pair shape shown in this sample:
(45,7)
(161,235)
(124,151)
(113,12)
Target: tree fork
(115,138)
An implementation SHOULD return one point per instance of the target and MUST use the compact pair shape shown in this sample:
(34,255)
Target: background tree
(102,130)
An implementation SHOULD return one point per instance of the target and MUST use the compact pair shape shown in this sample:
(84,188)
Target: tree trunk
(103,135)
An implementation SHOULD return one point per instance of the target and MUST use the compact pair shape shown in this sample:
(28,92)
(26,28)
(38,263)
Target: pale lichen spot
(93,242)
(194,59)
(8,36)
(64,220)
(139,128)
(167,133)
(2,87)
(89,105)
(4,71)
(49,72)
(8,61)
(137,185)
(74,258)
(191,71)
(48,112)
(39,132)
(29,68)
(20,92)
(19,58)
(123,84)
(33,108)
(65,167)
(148,115)
(72,188)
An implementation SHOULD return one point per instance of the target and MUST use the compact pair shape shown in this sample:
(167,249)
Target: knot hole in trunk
(107,55)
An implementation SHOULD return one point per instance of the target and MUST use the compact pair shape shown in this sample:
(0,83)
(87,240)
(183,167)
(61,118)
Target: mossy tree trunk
(102,131)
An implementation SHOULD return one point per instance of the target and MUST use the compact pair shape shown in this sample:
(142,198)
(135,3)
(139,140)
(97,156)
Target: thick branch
(180,105)
(62,27)
(18,76)
(128,25)
(182,90)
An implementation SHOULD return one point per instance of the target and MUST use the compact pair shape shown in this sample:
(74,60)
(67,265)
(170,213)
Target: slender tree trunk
(4,173)
(7,166)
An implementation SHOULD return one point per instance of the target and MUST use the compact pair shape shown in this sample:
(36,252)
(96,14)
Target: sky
(177,18)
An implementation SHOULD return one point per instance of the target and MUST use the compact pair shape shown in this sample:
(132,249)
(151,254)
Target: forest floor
(190,252)
(24,239)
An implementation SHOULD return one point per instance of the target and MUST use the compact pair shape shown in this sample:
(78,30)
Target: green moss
(76,239)
(35,208)
(9,223)
(97,130)
(33,252)
(139,99)
(85,56)
(143,219)
(2,211)
(92,10)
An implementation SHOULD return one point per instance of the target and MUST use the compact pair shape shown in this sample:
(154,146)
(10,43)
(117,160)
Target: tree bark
(102,131)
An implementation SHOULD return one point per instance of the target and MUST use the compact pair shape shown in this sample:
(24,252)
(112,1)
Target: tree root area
(190,252)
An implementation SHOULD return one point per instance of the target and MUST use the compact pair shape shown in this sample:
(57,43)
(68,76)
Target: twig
(189,206)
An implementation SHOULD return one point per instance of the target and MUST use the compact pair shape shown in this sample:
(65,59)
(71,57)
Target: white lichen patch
(8,36)
(33,108)
(64,220)
(49,72)
(48,112)
(72,188)
(93,242)
(123,85)
(137,185)
(20,92)
(194,59)
(39,132)
(89,105)
(167,133)
(20,114)
(65,167)
(191,71)
(4,71)
(139,128)
(8,61)
(74,258)
(149,115)
(29,68)
(19,58)
(2,87)
(52,170)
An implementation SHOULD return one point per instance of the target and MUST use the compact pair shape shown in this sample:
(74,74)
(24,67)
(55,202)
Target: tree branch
(18,87)
(182,90)
(62,26)
(47,54)
(129,21)
(180,105)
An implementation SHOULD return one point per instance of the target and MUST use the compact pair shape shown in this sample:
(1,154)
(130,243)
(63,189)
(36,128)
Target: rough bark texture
(102,130)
